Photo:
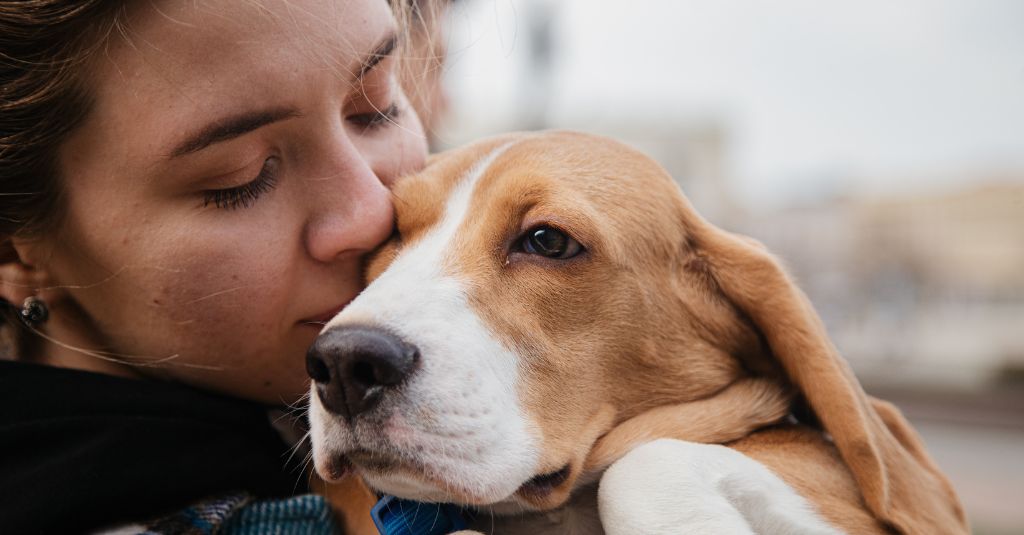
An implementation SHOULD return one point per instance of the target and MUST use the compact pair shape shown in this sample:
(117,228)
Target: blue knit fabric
(239,514)
(308,514)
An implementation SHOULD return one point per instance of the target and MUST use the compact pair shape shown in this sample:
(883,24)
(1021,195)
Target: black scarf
(81,450)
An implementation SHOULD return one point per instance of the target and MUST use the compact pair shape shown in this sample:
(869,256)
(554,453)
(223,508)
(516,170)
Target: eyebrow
(236,125)
(230,128)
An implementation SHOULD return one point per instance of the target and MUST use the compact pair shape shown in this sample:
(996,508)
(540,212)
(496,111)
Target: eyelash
(245,195)
(377,119)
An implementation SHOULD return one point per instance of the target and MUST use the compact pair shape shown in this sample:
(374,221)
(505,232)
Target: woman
(188,191)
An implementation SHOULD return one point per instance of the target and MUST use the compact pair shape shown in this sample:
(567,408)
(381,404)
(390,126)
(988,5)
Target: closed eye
(247,194)
(378,118)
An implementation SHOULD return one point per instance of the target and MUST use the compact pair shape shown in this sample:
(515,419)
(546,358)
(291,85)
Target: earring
(34,312)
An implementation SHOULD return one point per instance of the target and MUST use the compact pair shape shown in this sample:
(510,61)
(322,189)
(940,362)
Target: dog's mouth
(547,490)
(542,485)
(374,462)
(336,468)
(388,471)
(538,489)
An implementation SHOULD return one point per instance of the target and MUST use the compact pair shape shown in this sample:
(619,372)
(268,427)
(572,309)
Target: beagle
(551,305)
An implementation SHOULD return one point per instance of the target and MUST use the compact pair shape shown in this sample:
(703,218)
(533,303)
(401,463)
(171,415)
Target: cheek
(225,291)
(570,327)
(168,286)
(571,316)
(224,316)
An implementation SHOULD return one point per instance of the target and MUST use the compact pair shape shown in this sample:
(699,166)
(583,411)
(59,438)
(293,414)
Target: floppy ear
(900,483)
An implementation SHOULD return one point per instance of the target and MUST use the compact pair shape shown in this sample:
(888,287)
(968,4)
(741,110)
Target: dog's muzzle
(354,367)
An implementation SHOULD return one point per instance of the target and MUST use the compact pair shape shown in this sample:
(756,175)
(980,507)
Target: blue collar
(395,516)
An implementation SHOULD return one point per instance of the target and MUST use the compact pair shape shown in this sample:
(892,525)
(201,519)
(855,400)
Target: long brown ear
(899,481)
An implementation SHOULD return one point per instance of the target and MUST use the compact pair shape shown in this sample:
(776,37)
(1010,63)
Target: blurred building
(918,290)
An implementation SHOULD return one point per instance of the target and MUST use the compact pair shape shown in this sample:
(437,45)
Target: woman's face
(227,183)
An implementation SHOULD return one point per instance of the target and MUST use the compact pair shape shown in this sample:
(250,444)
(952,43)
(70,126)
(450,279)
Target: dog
(550,305)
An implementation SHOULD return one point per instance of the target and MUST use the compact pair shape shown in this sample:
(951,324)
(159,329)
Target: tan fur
(750,404)
(900,483)
(598,324)
(806,461)
(663,313)
(746,405)
(351,501)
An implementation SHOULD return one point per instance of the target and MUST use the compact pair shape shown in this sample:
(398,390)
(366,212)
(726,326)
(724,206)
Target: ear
(900,483)
(20,277)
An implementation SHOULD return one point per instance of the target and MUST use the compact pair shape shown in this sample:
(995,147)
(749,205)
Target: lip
(336,469)
(376,465)
(321,319)
(372,461)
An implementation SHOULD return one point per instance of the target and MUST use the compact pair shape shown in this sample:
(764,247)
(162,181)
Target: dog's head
(542,288)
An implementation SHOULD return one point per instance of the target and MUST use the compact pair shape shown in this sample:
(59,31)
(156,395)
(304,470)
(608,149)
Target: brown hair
(44,45)
(422,57)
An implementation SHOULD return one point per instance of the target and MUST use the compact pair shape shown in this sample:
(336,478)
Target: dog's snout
(353,366)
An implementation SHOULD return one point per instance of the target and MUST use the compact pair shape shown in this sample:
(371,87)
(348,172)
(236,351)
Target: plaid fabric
(240,514)
(300,515)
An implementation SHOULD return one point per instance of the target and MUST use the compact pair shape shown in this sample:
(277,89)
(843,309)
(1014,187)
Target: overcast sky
(810,92)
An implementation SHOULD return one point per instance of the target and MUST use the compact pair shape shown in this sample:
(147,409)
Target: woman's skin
(223,191)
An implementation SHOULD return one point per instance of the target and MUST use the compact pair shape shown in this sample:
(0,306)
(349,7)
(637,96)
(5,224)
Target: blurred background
(876,146)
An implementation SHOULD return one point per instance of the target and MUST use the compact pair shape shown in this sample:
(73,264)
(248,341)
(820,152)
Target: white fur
(459,416)
(671,486)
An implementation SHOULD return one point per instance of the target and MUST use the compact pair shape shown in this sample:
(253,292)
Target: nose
(349,210)
(354,366)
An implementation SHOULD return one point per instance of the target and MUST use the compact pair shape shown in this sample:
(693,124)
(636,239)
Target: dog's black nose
(353,366)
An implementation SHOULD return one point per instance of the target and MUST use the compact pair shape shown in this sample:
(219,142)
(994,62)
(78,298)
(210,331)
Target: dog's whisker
(295,409)
(298,406)
(295,448)
(309,473)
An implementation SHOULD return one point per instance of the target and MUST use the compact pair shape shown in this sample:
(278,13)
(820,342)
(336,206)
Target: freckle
(156,301)
(234,277)
(266,383)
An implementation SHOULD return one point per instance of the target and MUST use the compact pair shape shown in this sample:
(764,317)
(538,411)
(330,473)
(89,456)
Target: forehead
(184,39)
(177,62)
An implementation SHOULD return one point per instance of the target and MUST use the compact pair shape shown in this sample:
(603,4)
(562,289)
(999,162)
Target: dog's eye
(551,243)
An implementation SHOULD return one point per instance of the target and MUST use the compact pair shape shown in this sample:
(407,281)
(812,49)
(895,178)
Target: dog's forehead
(421,199)
(561,168)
